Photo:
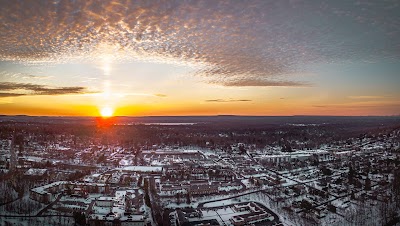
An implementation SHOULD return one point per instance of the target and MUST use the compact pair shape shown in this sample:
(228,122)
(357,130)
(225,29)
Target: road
(201,204)
(87,212)
(49,206)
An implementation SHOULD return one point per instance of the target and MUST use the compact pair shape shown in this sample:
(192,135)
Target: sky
(148,58)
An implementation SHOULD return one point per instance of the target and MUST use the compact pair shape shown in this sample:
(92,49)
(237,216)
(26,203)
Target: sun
(106,112)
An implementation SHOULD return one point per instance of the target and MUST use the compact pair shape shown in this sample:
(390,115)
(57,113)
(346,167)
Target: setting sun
(106,112)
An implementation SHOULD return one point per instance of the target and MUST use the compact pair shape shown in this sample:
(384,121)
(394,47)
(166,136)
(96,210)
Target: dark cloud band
(34,89)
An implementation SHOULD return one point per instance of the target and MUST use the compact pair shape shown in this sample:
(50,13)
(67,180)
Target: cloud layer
(23,89)
(250,43)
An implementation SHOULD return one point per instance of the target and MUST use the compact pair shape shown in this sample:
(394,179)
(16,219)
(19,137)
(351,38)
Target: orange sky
(78,58)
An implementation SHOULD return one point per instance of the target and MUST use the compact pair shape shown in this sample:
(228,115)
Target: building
(203,189)
(257,213)
(49,192)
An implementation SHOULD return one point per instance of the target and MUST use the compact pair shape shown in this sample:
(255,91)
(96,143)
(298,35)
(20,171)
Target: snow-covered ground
(23,206)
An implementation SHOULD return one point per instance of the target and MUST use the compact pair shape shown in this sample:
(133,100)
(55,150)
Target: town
(279,172)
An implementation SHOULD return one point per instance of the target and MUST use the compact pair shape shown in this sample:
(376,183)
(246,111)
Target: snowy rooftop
(143,168)
(35,172)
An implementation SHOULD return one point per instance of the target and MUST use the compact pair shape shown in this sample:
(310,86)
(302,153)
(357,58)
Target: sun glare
(106,112)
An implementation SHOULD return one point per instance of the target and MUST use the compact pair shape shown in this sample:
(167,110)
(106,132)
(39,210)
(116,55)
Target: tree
(368,184)
(19,140)
(242,149)
(396,188)
(139,183)
(188,197)
(178,196)
(146,194)
(80,218)
(352,196)
(306,205)
(101,159)
(351,174)
(147,199)
(326,171)
(69,190)
(331,208)
(48,164)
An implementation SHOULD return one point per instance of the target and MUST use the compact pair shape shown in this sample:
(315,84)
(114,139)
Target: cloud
(320,106)
(258,82)
(258,40)
(35,77)
(35,89)
(10,94)
(227,100)
(366,97)
(160,95)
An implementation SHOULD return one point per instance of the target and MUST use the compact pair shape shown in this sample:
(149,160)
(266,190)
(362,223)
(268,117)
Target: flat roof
(143,168)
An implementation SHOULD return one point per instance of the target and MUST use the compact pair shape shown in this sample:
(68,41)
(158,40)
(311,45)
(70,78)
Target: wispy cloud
(228,100)
(258,82)
(4,75)
(160,95)
(24,89)
(367,97)
(36,77)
